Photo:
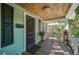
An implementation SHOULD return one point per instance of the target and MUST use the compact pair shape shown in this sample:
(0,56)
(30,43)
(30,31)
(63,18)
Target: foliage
(77,10)
(73,28)
(57,30)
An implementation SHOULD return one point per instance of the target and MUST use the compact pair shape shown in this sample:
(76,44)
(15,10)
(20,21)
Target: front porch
(39,29)
(51,46)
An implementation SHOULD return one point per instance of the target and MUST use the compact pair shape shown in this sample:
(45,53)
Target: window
(6,25)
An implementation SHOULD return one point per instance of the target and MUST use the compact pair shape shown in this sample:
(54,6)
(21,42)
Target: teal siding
(17,47)
(37,37)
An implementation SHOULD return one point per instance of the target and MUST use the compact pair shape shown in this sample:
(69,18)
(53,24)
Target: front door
(30,32)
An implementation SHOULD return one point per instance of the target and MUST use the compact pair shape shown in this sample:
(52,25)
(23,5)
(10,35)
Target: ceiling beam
(55,18)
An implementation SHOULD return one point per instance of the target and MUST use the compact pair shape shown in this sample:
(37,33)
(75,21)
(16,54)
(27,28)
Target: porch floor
(53,47)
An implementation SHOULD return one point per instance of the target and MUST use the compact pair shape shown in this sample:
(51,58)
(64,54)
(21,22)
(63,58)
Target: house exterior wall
(18,46)
(37,37)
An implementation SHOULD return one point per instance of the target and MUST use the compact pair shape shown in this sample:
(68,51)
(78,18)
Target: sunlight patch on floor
(57,51)
(53,38)
(56,47)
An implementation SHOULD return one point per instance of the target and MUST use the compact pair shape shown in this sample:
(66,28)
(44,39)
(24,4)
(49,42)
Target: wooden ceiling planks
(57,10)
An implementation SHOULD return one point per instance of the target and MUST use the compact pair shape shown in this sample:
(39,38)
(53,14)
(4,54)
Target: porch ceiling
(47,11)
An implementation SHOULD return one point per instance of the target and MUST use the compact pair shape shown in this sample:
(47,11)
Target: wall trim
(25,28)
(24,31)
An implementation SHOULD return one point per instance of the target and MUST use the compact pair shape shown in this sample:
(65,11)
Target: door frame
(25,13)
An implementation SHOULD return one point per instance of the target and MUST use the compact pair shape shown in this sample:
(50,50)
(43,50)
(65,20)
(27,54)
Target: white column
(45,30)
(45,27)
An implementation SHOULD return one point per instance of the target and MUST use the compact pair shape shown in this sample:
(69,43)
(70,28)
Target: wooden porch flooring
(52,47)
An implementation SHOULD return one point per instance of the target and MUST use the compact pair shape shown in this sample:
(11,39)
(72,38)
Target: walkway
(52,47)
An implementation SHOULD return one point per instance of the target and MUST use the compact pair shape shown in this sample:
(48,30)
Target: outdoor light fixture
(46,9)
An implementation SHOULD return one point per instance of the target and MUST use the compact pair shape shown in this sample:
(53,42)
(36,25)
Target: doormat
(33,49)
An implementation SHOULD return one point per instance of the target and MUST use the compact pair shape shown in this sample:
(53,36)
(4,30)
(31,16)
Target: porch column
(45,27)
(45,30)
